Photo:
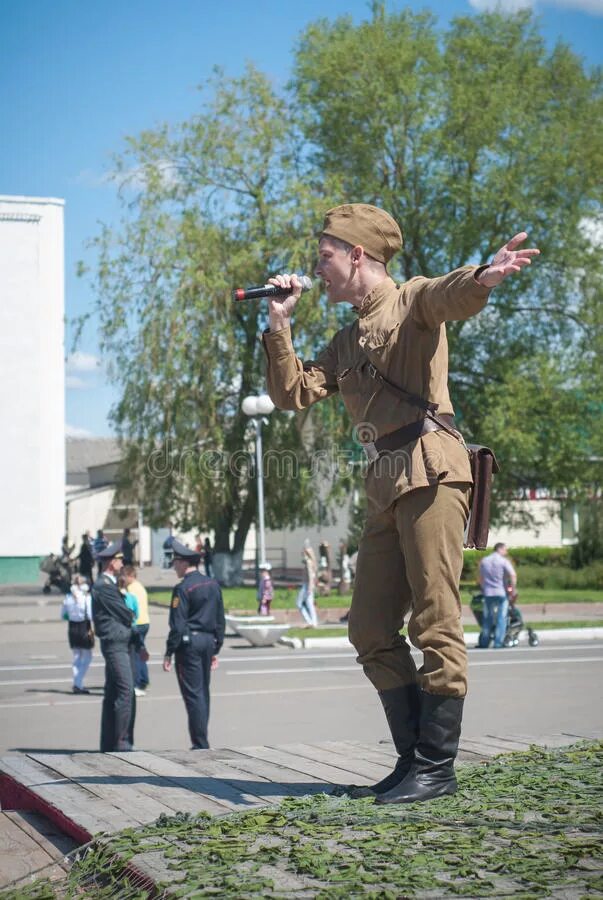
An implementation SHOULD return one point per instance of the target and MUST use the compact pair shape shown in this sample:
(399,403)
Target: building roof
(83,453)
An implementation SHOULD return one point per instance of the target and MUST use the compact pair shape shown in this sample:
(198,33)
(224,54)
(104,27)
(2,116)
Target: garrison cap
(182,552)
(370,226)
(113,550)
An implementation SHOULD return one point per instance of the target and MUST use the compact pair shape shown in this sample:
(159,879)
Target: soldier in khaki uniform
(418,482)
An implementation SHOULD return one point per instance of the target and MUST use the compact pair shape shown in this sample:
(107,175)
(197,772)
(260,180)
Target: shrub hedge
(541,567)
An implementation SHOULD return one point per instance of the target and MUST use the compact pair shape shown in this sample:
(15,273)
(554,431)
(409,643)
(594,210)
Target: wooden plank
(585,735)
(177,797)
(120,809)
(482,747)
(109,779)
(328,773)
(43,832)
(504,744)
(74,801)
(278,773)
(260,787)
(19,853)
(213,789)
(361,751)
(385,749)
(558,739)
(350,763)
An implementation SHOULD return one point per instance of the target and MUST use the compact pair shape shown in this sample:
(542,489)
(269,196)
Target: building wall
(88,512)
(546,531)
(32,388)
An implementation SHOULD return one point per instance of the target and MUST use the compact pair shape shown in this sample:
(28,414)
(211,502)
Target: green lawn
(524,825)
(341,631)
(244,598)
(529,596)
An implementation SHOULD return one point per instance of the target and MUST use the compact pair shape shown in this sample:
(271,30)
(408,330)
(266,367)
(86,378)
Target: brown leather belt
(404,435)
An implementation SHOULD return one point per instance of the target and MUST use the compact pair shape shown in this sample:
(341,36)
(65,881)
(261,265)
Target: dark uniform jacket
(400,330)
(196,606)
(112,618)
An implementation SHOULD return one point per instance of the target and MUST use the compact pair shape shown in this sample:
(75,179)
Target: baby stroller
(59,574)
(515,623)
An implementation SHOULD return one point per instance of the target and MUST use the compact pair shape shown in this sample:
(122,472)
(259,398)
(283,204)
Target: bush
(543,557)
(548,577)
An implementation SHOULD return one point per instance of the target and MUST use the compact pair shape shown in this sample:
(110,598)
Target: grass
(244,598)
(326,632)
(341,631)
(524,826)
(534,596)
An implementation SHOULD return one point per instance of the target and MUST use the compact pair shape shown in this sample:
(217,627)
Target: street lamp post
(256,408)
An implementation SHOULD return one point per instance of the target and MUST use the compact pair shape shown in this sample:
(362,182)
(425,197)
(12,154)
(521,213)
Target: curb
(548,634)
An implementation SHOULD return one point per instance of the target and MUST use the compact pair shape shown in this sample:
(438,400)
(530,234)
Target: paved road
(261,696)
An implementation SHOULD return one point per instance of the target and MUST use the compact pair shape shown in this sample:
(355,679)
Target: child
(265,590)
(77,611)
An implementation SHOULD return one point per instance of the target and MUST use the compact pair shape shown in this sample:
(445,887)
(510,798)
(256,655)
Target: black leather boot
(432,772)
(402,708)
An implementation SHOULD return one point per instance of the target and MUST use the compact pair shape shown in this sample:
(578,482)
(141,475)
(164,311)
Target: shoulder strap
(413,399)
(430,409)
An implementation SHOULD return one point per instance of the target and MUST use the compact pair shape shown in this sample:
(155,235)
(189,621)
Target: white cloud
(72,382)
(73,431)
(82,362)
(511,6)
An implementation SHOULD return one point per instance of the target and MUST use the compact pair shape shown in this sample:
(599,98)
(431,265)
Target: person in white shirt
(497,579)
(77,610)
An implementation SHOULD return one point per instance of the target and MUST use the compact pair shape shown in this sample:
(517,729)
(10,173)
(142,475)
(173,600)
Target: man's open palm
(507,261)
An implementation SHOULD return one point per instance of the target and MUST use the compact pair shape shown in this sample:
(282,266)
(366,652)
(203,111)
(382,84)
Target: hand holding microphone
(283,292)
(273,289)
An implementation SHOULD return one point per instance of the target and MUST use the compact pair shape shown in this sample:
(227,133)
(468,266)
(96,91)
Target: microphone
(269,290)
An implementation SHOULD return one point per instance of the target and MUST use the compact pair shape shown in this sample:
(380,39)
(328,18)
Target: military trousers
(119,701)
(193,670)
(408,570)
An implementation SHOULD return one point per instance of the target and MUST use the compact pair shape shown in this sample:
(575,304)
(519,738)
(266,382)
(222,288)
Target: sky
(78,76)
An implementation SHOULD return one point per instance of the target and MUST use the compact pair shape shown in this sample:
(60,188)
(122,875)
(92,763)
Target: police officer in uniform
(196,637)
(113,626)
(389,365)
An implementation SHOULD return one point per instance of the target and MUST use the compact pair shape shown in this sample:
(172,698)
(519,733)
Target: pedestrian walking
(498,582)
(208,558)
(100,543)
(85,559)
(142,625)
(66,550)
(113,624)
(305,597)
(390,366)
(77,611)
(325,574)
(128,547)
(195,638)
(265,590)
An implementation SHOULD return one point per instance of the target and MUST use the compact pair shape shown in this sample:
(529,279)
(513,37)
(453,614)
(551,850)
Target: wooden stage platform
(82,794)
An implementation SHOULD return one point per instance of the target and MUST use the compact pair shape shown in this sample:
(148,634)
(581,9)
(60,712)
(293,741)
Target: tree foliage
(465,136)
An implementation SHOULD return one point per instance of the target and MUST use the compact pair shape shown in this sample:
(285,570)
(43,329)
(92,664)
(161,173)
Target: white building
(32,388)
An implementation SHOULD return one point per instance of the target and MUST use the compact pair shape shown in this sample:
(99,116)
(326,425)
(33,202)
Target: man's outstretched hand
(507,261)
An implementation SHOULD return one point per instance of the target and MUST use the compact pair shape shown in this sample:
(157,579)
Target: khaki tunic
(400,329)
